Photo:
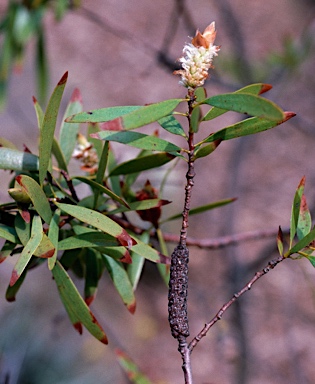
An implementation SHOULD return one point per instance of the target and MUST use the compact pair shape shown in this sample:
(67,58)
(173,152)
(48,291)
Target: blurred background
(121,52)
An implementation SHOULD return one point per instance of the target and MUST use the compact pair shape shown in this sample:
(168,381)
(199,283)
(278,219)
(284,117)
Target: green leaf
(97,144)
(119,253)
(101,171)
(6,250)
(53,235)
(195,119)
(304,222)
(131,369)
(164,269)
(39,113)
(37,196)
(121,282)
(23,229)
(86,240)
(280,241)
(68,132)
(295,212)
(302,243)
(28,250)
(102,189)
(138,117)
(254,89)
(137,140)
(93,272)
(149,253)
(200,94)
(202,208)
(8,233)
(99,221)
(6,143)
(312,260)
(101,115)
(56,151)
(170,124)
(142,164)
(247,103)
(77,309)
(134,269)
(48,128)
(12,291)
(45,249)
(42,71)
(142,205)
(245,127)
(15,160)
(206,150)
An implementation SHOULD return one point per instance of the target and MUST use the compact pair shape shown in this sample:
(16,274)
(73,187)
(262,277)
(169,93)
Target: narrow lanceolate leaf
(68,132)
(102,189)
(6,250)
(295,213)
(135,268)
(312,260)
(137,140)
(86,240)
(28,250)
(170,124)
(56,151)
(23,229)
(121,282)
(77,309)
(7,144)
(39,113)
(37,196)
(247,103)
(99,221)
(305,222)
(46,248)
(142,164)
(136,118)
(280,241)
(302,243)
(15,160)
(246,127)
(207,149)
(102,165)
(202,208)
(48,128)
(13,290)
(149,253)
(195,119)
(141,205)
(131,369)
(53,235)
(8,233)
(101,115)
(254,89)
(93,272)
(164,269)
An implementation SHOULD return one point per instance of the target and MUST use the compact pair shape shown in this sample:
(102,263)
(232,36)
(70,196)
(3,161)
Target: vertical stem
(178,284)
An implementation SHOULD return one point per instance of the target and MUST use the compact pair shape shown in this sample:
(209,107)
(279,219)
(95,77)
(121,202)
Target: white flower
(197,58)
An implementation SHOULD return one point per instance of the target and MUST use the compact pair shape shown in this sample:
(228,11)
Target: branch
(224,241)
(271,265)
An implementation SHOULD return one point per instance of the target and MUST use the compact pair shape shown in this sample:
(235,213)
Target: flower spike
(197,58)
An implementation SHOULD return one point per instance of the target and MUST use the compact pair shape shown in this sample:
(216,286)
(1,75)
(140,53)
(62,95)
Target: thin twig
(271,265)
(224,241)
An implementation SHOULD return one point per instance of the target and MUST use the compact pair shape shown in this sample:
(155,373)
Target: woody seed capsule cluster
(177,295)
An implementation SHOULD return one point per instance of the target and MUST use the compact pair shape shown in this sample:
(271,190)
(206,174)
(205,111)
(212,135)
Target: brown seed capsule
(178,289)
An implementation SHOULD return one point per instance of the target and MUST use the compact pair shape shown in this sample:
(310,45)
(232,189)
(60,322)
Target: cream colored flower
(197,58)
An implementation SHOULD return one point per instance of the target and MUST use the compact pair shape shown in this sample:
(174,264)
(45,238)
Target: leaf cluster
(47,223)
